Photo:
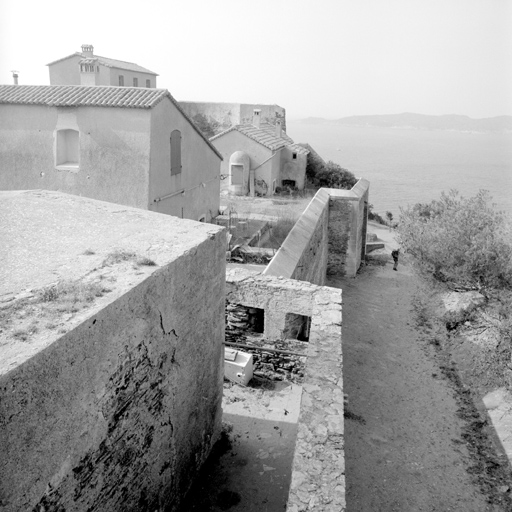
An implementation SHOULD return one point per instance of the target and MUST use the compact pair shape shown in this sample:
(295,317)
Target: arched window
(175,152)
(67,148)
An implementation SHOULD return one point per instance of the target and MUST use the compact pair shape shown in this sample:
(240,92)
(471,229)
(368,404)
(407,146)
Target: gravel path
(403,444)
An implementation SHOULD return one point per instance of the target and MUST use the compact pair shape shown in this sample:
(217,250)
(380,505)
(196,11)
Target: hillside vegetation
(463,241)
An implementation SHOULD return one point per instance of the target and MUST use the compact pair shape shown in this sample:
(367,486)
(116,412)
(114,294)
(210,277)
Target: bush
(332,175)
(313,166)
(459,240)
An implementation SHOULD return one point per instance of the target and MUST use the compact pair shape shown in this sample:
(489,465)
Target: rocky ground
(414,438)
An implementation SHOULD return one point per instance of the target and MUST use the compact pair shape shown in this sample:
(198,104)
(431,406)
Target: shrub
(313,166)
(375,216)
(464,241)
(332,175)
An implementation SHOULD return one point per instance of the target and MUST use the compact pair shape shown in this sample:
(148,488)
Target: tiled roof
(81,96)
(298,149)
(266,136)
(270,128)
(91,96)
(113,63)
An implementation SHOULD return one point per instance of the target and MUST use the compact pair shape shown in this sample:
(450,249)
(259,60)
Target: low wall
(303,255)
(114,405)
(329,237)
(318,472)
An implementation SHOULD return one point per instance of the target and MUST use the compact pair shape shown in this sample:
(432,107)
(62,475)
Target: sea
(407,166)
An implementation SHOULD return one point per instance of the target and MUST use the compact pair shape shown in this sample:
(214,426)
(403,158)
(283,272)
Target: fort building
(131,146)
(85,68)
(259,157)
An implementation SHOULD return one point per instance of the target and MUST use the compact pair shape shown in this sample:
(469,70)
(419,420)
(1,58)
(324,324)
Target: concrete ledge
(373,246)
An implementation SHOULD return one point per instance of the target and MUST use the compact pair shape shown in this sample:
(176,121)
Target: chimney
(256,117)
(15,76)
(279,129)
(88,50)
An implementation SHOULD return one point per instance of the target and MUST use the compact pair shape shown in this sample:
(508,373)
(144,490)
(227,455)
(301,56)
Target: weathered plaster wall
(114,151)
(200,164)
(66,71)
(129,76)
(303,255)
(293,169)
(118,408)
(318,472)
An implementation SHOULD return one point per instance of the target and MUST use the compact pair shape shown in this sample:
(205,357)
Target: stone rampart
(112,400)
(329,237)
(318,472)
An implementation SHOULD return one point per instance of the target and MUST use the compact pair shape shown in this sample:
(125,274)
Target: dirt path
(403,439)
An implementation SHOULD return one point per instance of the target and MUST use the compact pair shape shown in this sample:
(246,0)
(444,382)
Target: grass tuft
(147,262)
(118,256)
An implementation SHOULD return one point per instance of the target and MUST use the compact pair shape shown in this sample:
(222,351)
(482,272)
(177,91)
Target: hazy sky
(326,58)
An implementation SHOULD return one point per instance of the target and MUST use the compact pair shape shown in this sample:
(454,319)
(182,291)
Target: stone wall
(329,237)
(113,404)
(318,472)
(230,114)
(303,255)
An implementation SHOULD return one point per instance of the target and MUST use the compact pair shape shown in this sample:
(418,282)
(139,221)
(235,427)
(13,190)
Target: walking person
(395,253)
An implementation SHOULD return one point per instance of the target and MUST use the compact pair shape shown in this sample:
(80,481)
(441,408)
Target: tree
(465,241)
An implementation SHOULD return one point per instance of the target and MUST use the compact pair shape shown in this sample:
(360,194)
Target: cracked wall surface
(318,472)
(117,407)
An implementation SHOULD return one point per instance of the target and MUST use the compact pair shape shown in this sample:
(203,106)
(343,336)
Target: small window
(175,152)
(148,83)
(67,149)
(297,327)
(135,82)
(121,80)
(98,69)
(294,156)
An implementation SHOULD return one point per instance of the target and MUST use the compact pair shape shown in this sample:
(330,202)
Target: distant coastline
(460,123)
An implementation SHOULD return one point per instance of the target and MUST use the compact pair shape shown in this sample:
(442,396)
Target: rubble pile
(278,365)
(244,326)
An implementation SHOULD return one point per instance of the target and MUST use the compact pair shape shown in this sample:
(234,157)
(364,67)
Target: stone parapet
(109,400)
(328,239)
